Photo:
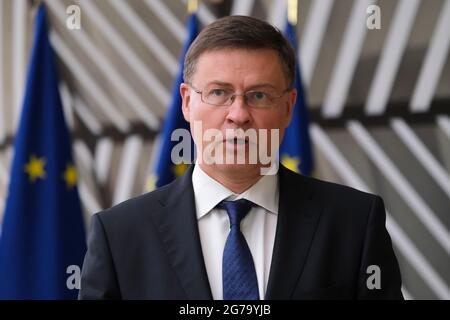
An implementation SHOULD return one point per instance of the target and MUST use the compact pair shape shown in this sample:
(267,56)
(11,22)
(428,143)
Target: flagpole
(192,6)
(165,170)
(34,6)
(292,11)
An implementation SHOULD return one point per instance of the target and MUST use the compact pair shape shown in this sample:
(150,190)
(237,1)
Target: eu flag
(295,150)
(166,170)
(43,234)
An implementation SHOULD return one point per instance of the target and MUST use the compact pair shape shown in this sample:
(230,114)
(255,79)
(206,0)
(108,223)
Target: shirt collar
(209,192)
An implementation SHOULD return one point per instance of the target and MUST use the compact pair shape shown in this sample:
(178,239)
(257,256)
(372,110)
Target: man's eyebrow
(252,87)
(220,83)
(262,85)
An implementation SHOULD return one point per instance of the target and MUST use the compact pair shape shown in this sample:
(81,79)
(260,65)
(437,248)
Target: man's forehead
(225,65)
(257,85)
(262,53)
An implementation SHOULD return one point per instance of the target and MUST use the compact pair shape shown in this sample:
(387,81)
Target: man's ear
(290,104)
(185,98)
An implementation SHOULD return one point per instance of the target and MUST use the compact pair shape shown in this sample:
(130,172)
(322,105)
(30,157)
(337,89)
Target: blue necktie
(238,270)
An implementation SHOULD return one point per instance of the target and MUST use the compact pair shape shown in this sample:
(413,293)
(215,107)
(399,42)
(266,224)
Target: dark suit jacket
(326,237)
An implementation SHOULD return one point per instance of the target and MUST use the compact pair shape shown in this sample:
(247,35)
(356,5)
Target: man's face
(239,71)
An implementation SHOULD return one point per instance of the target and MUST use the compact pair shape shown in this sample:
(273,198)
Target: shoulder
(133,210)
(337,192)
(138,213)
(343,211)
(323,189)
(333,197)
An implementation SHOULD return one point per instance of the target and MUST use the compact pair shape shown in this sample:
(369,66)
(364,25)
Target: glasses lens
(261,98)
(224,96)
(217,95)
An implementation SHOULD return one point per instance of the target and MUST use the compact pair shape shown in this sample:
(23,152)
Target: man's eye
(217,92)
(258,95)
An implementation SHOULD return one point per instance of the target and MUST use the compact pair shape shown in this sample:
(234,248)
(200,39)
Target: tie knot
(236,210)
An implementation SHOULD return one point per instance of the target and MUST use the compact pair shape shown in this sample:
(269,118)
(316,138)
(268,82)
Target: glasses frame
(234,95)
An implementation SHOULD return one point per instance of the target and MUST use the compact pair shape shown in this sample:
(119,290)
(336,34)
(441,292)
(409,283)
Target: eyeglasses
(217,95)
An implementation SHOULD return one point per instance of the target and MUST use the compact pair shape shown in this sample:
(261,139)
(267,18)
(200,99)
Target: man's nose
(238,111)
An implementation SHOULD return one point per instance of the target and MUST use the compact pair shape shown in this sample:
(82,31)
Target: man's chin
(239,169)
(238,166)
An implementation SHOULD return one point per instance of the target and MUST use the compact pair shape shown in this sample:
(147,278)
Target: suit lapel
(297,221)
(177,224)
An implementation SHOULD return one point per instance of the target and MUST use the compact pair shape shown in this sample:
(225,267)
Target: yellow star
(70,176)
(290,163)
(35,168)
(179,169)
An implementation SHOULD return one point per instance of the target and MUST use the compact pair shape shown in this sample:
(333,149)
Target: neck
(235,180)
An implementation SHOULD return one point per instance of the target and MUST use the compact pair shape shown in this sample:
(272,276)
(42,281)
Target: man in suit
(226,230)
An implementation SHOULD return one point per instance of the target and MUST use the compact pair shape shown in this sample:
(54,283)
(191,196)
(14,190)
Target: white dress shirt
(258,226)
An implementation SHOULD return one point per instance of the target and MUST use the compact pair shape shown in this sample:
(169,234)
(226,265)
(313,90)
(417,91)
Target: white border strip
(5,163)
(91,204)
(128,167)
(169,20)
(312,37)
(399,237)
(147,36)
(416,259)
(277,14)
(348,57)
(84,157)
(4,174)
(132,98)
(67,104)
(242,7)
(416,147)
(151,165)
(433,64)
(443,122)
(19,55)
(401,184)
(136,64)
(103,158)
(86,116)
(389,63)
(83,154)
(85,79)
(204,14)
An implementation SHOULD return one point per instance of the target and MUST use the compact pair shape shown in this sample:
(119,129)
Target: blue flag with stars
(295,150)
(42,241)
(166,170)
